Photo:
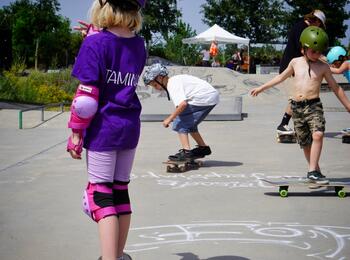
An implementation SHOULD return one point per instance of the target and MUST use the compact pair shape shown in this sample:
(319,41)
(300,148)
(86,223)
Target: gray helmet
(156,69)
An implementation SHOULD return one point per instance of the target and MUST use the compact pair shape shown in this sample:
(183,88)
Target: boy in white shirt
(193,98)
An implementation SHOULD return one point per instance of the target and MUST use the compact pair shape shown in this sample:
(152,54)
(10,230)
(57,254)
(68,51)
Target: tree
(178,52)
(334,10)
(39,34)
(259,20)
(159,17)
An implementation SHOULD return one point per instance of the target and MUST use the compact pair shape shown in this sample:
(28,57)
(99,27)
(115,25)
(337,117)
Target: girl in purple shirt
(105,117)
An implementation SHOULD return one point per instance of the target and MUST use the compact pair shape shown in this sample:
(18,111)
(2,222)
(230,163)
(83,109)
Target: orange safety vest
(213,50)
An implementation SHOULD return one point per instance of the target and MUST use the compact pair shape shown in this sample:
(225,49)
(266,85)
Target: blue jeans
(189,119)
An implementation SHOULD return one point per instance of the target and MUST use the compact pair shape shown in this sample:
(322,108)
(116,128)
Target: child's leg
(124,162)
(315,151)
(99,197)
(108,230)
(307,151)
(124,225)
(198,138)
(184,140)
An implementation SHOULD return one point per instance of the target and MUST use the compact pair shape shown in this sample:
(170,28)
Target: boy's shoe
(182,155)
(317,177)
(201,151)
(284,129)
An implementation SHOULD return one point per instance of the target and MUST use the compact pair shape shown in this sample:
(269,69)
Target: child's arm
(338,91)
(276,80)
(179,109)
(344,67)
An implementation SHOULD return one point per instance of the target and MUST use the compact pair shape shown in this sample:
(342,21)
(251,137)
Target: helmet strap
(164,87)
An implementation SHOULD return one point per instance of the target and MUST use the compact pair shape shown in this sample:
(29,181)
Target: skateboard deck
(286,138)
(284,184)
(182,166)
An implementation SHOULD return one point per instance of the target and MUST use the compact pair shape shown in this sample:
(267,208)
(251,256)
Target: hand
(86,29)
(75,145)
(167,122)
(255,91)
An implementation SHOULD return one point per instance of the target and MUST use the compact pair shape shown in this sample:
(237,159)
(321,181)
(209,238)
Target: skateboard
(286,138)
(284,184)
(182,166)
(346,136)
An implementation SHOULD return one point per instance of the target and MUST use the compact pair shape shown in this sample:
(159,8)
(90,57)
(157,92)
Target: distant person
(230,65)
(214,50)
(293,50)
(237,59)
(307,109)
(205,58)
(105,117)
(339,61)
(193,98)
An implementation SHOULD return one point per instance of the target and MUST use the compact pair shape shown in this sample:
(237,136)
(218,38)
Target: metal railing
(42,108)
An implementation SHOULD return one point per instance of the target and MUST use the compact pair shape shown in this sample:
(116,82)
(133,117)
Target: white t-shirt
(193,90)
(206,55)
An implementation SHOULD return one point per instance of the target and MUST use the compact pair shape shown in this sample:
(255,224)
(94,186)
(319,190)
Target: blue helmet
(335,53)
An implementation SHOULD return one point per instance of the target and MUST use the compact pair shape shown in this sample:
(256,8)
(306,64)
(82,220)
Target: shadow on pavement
(191,256)
(215,163)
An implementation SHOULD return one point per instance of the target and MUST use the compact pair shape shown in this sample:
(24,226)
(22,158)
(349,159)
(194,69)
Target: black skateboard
(182,166)
(284,184)
(286,138)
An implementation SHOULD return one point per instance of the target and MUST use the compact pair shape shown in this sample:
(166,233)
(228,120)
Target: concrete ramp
(232,86)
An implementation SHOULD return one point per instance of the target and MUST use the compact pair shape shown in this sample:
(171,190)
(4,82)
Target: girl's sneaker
(201,151)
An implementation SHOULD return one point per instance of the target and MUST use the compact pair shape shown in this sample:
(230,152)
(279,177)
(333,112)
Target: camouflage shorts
(307,119)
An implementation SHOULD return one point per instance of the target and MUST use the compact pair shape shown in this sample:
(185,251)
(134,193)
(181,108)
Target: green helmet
(314,38)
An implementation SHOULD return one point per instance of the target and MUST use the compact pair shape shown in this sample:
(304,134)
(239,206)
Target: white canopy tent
(216,33)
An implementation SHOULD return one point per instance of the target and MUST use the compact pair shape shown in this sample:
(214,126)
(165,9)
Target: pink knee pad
(121,198)
(98,201)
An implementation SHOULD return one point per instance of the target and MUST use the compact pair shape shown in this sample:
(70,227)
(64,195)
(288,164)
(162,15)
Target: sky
(190,9)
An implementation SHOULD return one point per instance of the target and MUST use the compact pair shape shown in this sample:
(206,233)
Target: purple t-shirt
(114,65)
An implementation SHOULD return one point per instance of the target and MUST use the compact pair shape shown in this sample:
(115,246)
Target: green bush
(37,87)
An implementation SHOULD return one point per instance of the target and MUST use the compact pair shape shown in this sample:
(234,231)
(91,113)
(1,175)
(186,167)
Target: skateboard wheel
(182,168)
(169,168)
(341,193)
(283,192)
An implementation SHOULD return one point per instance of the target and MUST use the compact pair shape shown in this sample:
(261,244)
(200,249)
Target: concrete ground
(219,212)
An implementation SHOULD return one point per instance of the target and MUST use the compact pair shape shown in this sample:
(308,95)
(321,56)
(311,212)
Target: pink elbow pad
(84,107)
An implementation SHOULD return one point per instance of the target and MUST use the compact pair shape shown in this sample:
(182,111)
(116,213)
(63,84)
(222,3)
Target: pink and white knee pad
(101,200)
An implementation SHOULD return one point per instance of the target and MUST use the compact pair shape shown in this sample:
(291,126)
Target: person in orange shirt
(214,49)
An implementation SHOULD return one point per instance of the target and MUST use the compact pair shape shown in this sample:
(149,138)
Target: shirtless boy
(307,110)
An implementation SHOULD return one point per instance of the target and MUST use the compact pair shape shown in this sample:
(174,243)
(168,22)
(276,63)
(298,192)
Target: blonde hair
(107,16)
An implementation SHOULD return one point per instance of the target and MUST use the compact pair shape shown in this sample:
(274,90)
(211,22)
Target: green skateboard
(284,184)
